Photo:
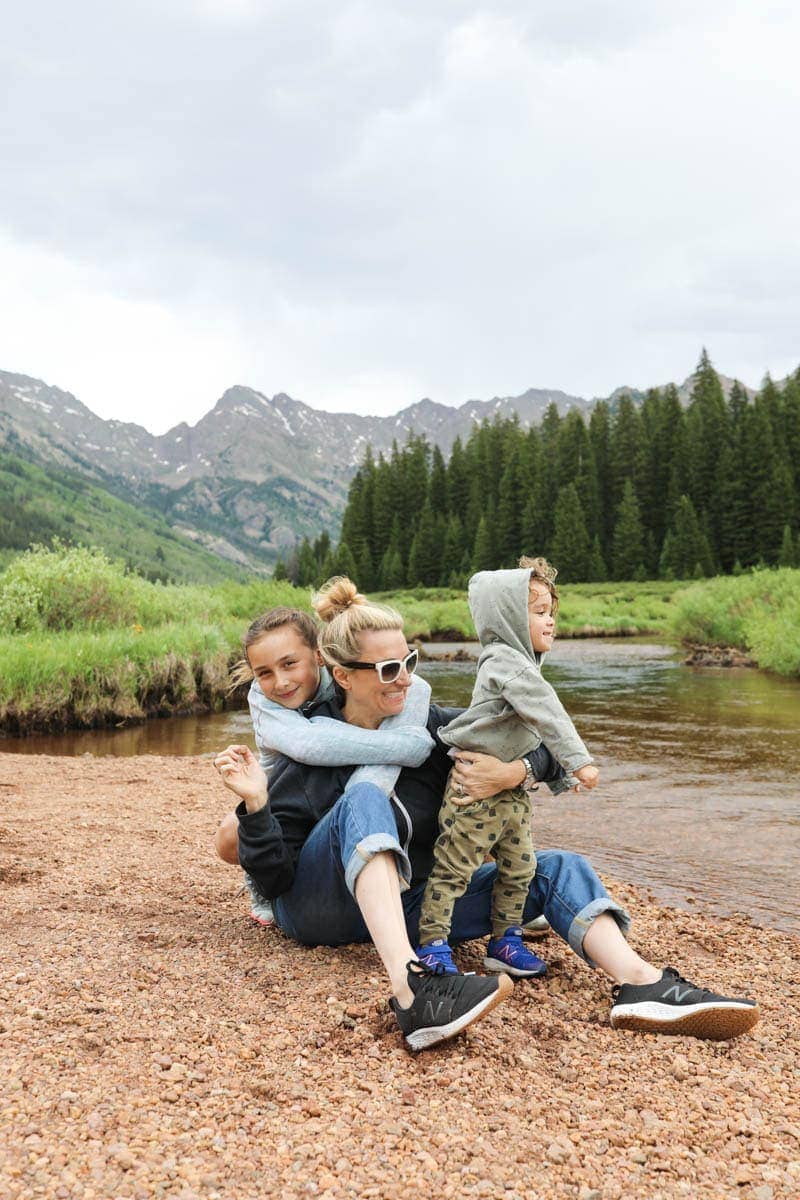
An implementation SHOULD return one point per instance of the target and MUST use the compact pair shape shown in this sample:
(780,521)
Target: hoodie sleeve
(539,708)
(411,721)
(325,742)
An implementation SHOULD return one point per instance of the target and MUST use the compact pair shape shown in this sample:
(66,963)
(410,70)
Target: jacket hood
(498,601)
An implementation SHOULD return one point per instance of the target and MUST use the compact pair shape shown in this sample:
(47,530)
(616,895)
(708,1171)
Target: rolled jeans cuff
(582,921)
(365,851)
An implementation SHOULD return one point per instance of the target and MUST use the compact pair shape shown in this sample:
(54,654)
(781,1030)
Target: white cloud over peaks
(361,203)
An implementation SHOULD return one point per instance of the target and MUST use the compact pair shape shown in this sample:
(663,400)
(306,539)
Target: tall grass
(73,587)
(586,610)
(87,678)
(85,643)
(758,612)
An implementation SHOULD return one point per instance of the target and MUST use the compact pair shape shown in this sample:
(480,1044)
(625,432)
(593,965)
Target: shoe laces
(676,977)
(426,974)
(668,973)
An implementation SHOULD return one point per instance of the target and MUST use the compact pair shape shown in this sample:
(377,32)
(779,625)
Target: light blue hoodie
(400,741)
(513,709)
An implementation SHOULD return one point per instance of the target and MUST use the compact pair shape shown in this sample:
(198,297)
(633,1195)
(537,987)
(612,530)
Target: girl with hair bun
(280,655)
(344,860)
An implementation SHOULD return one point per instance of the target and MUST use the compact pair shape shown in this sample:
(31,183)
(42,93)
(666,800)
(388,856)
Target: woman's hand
(244,775)
(482,775)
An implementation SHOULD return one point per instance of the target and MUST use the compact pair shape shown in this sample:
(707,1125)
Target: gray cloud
(370,201)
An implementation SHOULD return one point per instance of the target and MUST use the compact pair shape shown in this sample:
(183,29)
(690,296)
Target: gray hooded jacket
(513,709)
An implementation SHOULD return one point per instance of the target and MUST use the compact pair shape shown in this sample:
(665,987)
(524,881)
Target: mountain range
(256,472)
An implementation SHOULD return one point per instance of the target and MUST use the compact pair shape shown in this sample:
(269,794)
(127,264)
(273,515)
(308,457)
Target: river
(697,798)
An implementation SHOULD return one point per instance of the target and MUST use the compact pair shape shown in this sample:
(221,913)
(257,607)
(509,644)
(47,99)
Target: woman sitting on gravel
(344,862)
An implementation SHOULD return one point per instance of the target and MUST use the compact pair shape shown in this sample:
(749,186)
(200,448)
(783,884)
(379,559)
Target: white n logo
(680,996)
(430,1014)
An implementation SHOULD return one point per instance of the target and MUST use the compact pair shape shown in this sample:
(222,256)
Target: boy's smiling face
(541,622)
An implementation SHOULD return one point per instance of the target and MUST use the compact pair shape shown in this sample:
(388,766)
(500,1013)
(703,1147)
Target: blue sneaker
(437,954)
(510,954)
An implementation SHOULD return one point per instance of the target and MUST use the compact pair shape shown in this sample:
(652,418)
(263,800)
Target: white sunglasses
(389,668)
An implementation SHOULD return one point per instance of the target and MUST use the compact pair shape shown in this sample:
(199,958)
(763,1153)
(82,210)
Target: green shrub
(64,587)
(758,612)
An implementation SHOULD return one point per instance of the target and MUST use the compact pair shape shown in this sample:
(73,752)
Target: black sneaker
(443,1004)
(673,1005)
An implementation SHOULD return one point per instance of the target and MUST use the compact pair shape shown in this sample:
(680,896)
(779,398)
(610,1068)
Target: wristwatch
(530,783)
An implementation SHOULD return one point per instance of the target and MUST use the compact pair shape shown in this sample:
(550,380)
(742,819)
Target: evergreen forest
(641,491)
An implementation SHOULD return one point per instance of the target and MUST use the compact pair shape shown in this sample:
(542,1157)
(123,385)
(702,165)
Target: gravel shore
(154,1042)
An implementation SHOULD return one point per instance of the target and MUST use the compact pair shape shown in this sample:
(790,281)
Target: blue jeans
(320,910)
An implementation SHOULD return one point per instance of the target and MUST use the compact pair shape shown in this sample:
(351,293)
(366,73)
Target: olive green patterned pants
(500,827)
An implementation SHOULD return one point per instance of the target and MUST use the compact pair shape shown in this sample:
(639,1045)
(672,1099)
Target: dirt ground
(154,1042)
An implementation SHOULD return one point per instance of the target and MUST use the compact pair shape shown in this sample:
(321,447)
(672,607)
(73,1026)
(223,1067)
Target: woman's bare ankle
(400,989)
(641,973)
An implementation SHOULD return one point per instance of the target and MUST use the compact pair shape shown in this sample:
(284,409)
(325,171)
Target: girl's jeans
(319,908)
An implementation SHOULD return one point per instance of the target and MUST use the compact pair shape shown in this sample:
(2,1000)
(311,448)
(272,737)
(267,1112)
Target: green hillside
(36,506)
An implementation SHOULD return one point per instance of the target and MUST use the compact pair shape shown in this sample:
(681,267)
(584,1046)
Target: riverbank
(585,610)
(87,646)
(757,614)
(153,1042)
(84,645)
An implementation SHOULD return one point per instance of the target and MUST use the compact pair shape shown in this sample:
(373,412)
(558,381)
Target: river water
(697,799)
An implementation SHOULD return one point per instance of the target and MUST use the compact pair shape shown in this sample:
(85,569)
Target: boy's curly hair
(543,573)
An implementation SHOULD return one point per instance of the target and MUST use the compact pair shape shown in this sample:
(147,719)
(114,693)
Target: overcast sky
(365,203)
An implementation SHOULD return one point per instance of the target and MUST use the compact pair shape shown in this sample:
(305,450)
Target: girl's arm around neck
(326,742)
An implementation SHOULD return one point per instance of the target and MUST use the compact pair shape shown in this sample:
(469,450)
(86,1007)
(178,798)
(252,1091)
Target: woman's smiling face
(285,667)
(367,700)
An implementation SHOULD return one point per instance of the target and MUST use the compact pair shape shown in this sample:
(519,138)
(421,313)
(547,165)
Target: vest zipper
(409,825)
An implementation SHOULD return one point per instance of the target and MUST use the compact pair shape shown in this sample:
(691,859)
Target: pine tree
(510,508)
(596,569)
(365,574)
(392,572)
(384,506)
(344,563)
(569,549)
(482,552)
(424,559)
(575,461)
(306,564)
(454,546)
(437,483)
(709,432)
(626,451)
(787,554)
(413,480)
(768,484)
(457,481)
(791,436)
(686,547)
(600,439)
(280,571)
(664,480)
(628,542)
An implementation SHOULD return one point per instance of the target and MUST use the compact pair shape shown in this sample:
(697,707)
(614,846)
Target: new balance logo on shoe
(433,1013)
(674,1005)
(675,991)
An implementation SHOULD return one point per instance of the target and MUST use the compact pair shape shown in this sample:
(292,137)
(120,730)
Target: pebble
(201,1059)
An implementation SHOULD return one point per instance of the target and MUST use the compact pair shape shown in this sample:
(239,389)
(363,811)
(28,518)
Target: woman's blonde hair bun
(335,597)
(347,614)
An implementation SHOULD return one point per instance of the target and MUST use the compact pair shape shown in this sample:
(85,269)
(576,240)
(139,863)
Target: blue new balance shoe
(510,954)
(438,956)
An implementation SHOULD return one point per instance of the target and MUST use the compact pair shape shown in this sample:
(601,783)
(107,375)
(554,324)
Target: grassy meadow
(85,643)
(585,610)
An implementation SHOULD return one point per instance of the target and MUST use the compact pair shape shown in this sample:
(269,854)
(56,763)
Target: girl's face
(541,622)
(285,667)
(368,700)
